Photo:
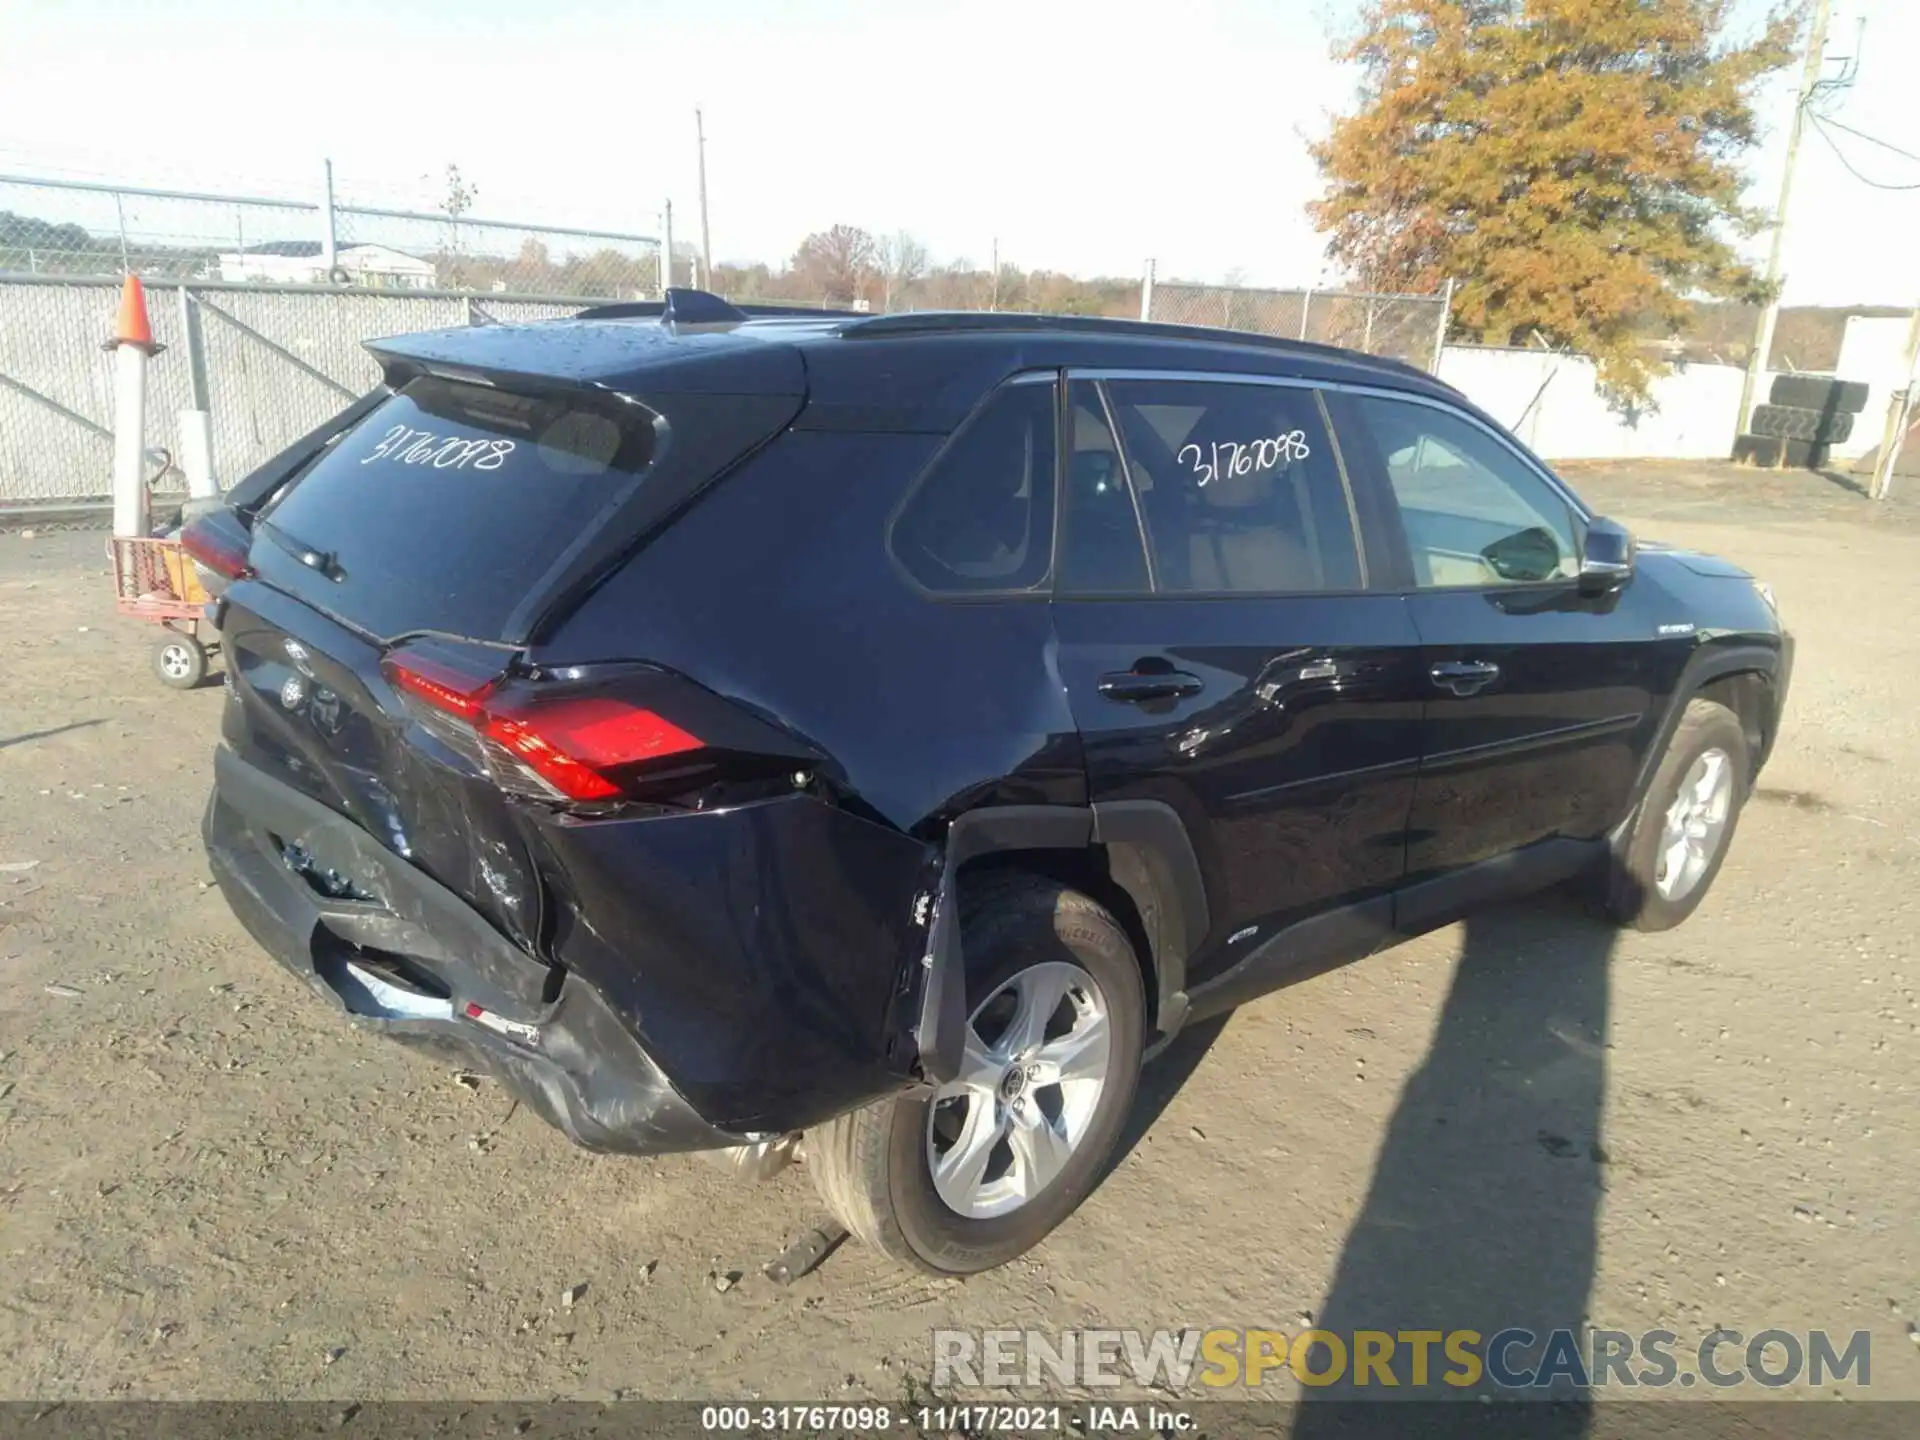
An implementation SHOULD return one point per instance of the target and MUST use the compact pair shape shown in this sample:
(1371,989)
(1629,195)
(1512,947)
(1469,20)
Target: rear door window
(980,519)
(449,504)
(1239,487)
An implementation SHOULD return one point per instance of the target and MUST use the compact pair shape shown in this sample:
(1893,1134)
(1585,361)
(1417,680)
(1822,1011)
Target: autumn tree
(838,263)
(1573,165)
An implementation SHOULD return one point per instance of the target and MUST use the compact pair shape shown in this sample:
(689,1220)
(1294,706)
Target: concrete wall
(1553,403)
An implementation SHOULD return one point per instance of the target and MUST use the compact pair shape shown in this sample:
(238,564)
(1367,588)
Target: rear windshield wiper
(311,556)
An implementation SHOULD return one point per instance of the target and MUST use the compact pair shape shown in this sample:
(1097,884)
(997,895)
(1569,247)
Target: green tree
(1573,165)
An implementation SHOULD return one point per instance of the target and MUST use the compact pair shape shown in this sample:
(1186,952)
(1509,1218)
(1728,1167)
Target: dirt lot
(210,1187)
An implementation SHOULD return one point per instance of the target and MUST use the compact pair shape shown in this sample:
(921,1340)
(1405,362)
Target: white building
(300,262)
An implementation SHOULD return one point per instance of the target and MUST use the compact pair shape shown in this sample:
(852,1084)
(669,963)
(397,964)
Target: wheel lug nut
(1033,1072)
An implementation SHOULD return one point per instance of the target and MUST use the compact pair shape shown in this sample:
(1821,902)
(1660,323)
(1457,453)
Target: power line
(1870,139)
(1820,126)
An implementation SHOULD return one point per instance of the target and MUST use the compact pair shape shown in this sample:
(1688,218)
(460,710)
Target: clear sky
(1084,135)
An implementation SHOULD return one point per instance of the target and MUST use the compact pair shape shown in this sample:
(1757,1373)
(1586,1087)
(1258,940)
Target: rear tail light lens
(445,687)
(218,543)
(568,746)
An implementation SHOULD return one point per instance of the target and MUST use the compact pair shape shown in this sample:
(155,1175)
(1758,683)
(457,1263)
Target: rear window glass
(449,504)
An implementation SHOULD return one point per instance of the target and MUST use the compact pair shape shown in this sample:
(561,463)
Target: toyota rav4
(872,736)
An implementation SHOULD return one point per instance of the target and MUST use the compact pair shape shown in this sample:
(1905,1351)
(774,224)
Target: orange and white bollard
(133,347)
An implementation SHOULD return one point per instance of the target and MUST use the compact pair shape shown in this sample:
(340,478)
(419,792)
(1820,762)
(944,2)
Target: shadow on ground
(1162,1079)
(47,734)
(1482,1211)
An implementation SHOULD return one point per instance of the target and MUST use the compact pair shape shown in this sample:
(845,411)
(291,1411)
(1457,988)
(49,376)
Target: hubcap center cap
(1013,1082)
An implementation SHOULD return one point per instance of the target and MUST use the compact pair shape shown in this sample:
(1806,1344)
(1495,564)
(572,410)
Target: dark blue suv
(868,737)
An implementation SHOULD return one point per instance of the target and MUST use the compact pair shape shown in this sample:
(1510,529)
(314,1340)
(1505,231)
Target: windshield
(450,503)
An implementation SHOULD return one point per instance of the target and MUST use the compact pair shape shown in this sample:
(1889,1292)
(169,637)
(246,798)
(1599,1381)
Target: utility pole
(706,240)
(1763,337)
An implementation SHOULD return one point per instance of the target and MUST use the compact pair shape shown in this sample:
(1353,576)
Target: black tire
(180,661)
(1632,895)
(1819,392)
(1788,422)
(871,1166)
(1773,453)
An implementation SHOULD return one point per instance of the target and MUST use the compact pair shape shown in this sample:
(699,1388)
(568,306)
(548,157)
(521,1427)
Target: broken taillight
(568,745)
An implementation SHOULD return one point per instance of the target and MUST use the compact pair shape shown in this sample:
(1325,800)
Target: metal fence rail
(1404,327)
(278,360)
(58,227)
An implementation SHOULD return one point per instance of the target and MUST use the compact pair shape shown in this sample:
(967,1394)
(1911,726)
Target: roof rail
(975,322)
(619,310)
(705,304)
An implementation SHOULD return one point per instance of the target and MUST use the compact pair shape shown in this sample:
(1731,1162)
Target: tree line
(846,267)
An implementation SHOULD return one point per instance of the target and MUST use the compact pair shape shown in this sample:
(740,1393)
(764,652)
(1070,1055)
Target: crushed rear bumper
(382,949)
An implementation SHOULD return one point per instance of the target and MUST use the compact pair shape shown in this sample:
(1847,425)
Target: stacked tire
(1806,415)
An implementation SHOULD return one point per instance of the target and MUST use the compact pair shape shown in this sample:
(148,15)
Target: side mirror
(1606,557)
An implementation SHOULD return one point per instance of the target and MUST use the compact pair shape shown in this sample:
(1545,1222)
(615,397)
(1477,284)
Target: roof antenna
(691,310)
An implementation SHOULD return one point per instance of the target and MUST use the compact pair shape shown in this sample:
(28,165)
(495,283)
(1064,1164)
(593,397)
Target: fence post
(1306,304)
(196,349)
(1899,411)
(1146,292)
(196,421)
(1446,317)
(329,244)
(666,248)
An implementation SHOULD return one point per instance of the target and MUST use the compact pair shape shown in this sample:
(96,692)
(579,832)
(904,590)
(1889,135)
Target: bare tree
(838,263)
(459,198)
(904,261)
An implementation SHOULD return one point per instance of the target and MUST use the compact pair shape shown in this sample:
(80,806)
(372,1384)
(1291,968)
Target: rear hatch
(375,651)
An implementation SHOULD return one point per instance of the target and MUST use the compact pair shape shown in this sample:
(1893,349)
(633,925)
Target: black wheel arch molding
(1150,858)
(1770,659)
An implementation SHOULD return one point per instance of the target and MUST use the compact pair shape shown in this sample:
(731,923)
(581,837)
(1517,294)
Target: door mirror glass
(1606,556)
(1526,556)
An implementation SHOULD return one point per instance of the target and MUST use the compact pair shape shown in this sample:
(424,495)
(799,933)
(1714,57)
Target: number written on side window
(1234,458)
(1238,491)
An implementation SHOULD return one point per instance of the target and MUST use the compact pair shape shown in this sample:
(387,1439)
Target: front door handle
(1464,677)
(1135,686)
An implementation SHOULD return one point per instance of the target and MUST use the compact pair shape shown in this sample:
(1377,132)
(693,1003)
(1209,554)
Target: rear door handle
(1133,686)
(1464,677)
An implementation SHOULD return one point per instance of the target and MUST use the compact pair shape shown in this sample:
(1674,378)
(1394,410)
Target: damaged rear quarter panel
(776,592)
(755,950)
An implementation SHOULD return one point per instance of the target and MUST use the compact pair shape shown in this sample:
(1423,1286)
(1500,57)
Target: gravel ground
(211,1188)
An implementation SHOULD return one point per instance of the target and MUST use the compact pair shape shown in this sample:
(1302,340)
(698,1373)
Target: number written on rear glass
(406,446)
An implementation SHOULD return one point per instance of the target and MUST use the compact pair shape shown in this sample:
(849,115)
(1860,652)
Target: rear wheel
(964,1177)
(180,661)
(1681,834)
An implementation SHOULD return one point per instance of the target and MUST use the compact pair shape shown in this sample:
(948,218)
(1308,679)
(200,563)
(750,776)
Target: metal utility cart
(155,580)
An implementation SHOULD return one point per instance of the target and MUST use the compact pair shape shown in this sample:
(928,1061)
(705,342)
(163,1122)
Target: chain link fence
(56,227)
(1403,327)
(268,362)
